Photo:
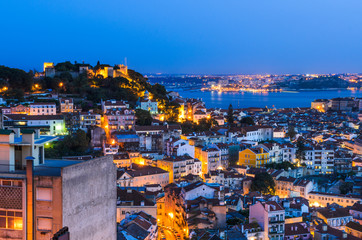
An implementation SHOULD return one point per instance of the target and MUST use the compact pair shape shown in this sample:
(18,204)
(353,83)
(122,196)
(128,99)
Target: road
(168,234)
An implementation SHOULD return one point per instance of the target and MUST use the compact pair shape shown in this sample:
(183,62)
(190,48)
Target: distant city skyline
(202,37)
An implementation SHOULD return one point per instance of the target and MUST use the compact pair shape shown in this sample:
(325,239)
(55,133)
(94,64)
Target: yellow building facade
(253,157)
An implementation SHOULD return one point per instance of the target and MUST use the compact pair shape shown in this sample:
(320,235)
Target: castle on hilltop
(104,70)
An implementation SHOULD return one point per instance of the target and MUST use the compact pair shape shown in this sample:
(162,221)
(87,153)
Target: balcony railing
(275,220)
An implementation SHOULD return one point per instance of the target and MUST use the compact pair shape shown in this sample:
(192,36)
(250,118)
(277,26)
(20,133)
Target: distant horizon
(165,73)
(194,37)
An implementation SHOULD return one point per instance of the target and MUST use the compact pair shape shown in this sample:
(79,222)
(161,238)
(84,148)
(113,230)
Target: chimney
(17,132)
(325,228)
(262,150)
(29,200)
(37,133)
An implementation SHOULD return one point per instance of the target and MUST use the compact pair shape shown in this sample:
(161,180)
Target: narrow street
(165,233)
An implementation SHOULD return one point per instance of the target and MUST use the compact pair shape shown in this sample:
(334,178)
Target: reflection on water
(262,99)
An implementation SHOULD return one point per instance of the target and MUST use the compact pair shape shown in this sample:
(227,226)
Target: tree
(300,149)
(143,117)
(247,120)
(346,187)
(203,125)
(16,93)
(291,132)
(16,78)
(263,183)
(72,145)
(233,221)
(230,115)
(284,165)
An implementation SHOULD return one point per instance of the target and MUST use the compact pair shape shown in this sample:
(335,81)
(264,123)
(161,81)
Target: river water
(277,99)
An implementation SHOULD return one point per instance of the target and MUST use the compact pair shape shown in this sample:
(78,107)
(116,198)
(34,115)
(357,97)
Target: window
(44,224)
(11,219)
(6,183)
(44,194)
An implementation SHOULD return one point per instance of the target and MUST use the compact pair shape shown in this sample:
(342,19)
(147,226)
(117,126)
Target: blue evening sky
(188,36)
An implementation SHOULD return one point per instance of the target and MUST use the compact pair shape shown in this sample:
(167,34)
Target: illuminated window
(11,219)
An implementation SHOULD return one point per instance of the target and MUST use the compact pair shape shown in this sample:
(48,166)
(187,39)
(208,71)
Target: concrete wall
(89,199)
(7,160)
(203,190)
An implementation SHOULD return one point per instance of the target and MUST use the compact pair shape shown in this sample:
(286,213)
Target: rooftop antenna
(125,61)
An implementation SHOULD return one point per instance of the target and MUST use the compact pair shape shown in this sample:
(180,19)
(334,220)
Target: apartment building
(118,120)
(113,105)
(356,212)
(179,147)
(66,105)
(224,150)
(40,199)
(254,157)
(271,217)
(122,160)
(320,160)
(288,152)
(130,201)
(194,206)
(210,157)
(284,186)
(149,105)
(87,119)
(139,225)
(232,180)
(17,145)
(355,229)
(319,199)
(20,109)
(47,124)
(180,166)
(275,151)
(43,108)
(154,137)
(140,175)
(257,133)
(335,217)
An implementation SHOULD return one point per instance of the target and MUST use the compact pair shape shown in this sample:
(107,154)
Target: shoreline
(282,90)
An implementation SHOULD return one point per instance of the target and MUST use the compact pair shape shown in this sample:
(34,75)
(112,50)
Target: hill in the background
(315,83)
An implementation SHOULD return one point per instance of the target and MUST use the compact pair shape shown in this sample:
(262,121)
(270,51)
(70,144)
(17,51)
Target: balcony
(275,220)
(275,231)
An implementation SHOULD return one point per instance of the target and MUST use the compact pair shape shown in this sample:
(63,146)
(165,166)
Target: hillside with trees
(131,87)
(315,83)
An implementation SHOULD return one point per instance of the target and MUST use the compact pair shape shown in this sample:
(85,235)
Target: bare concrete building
(37,202)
